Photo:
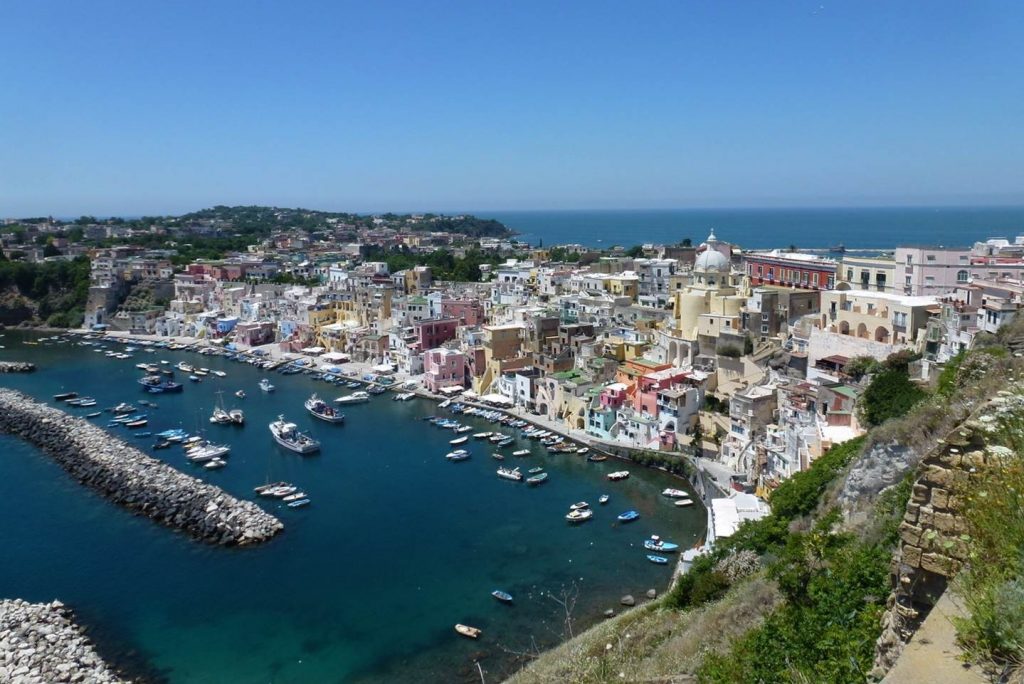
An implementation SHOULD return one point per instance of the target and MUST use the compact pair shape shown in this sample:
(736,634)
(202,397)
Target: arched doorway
(862,331)
(844,328)
(882,334)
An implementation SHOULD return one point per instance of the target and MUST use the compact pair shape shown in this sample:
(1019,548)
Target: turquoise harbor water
(856,228)
(366,583)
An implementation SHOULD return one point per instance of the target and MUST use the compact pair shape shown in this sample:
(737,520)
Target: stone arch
(882,334)
(843,286)
(673,351)
(579,424)
(544,409)
(862,331)
(844,328)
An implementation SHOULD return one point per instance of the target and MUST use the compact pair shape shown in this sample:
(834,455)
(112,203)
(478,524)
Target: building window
(961,276)
(764,329)
(930,257)
(910,260)
(849,274)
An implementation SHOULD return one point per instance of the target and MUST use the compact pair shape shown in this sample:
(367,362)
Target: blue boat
(502,596)
(655,543)
(156,385)
(628,516)
(660,560)
(140,435)
(299,504)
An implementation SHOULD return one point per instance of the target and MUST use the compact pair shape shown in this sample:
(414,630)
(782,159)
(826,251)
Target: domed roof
(711,261)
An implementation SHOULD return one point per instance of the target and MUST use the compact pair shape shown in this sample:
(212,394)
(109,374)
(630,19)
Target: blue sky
(159,107)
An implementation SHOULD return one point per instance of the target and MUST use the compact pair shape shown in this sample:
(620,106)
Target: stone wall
(931,550)
(133,479)
(16,367)
(40,644)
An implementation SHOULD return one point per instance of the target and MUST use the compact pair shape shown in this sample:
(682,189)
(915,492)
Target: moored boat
(265,386)
(64,396)
(467,631)
(675,494)
(579,506)
(521,452)
(659,560)
(497,457)
(628,516)
(683,503)
(298,503)
(656,543)
(322,410)
(458,440)
(457,455)
(502,596)
(603,499)
(510,474)
(537,479)
(354,398)
(597,458)
(580,515)
(619,475)
(287,435)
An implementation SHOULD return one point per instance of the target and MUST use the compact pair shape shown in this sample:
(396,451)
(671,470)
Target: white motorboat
(682,503)
(618,475)
(354,398)
(266,386)
(675,494)
(579,515)
(458,440)
(521,452)
(482,435)
(237,416)
(215,464)
(240,394)
(322,410)
(287,435)
(510,474)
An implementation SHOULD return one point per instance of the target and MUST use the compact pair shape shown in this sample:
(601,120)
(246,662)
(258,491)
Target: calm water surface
(364,584)
(857,228)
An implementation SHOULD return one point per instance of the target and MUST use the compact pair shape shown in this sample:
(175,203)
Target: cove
(366,583)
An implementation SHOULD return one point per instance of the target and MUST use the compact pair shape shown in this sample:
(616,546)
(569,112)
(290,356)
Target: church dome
(711,261)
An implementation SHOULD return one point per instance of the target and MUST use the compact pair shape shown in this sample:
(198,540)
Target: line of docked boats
(285,492)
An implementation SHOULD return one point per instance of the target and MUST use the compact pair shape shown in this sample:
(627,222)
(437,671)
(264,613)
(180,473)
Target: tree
(50,250)
(859,366)
(686,242)
(635,251)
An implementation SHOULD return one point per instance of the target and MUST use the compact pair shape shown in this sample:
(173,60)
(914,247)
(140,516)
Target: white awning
(337,357)
(496,399)
(313,350)
(454,389)
(469,394)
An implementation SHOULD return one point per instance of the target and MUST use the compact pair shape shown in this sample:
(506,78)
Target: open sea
(855,228)
(366,583)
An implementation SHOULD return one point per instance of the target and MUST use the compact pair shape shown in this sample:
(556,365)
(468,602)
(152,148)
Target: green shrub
(947,382)
(890,394)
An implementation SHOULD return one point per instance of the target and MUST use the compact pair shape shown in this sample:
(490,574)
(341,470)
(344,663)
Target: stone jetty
(40,644)
(16,367)
(133,479)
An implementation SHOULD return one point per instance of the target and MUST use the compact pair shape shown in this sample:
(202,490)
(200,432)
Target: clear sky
(160,107)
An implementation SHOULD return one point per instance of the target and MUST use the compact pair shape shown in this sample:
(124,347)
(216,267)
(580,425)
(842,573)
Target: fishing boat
(287,435)
(295,497)
(579,516)
(505,442)
(683,503)
(299,503)
(266,386)
(497,457)
(94,415)
(510,474)
(322,410)
(482,435)
(675,493)
(659,560)
(628,516)
(537,479)
(185,368)
(136,423)
(534,471)
(603,499)
(618,475)
(467,631)
(579,506)
(457,455)
(354,398)
(458,440)
(123,408)
(656,543)
(502,596)
(597,458)
(155,384)
(64,396)
(521,452)
(582,450)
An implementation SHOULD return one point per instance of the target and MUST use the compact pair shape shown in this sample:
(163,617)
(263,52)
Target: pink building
(645,398)
(443,368)
(433,332)
(468,311)
(614,396)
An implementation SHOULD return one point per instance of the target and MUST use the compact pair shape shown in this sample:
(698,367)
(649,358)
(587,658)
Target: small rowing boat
(467,631)
(502,596)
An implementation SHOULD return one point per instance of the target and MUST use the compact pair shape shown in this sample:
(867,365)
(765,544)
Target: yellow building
(712,301)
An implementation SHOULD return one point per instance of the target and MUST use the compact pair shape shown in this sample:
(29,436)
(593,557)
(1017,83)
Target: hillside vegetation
(51,292)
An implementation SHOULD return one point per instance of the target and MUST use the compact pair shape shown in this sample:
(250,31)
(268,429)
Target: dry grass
(652,643)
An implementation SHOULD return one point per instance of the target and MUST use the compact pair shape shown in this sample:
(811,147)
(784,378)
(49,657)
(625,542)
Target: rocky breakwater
(40,644)
(132,479)
(16,367)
